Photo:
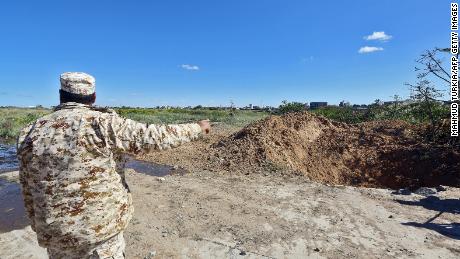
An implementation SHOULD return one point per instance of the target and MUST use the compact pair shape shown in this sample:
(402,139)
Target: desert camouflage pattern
(71,171)
(114,248)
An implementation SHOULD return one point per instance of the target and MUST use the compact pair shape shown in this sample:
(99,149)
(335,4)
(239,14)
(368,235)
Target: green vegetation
(286,107)
(12,120)
(173,115)
(417,111)
(413,113)
(343,114)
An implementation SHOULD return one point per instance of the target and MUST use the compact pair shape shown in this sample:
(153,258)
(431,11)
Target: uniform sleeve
(131,136)
(23,149)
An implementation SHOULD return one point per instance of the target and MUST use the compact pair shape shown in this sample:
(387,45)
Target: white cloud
(190,67)
(306,60)
(378,35)
(367,49)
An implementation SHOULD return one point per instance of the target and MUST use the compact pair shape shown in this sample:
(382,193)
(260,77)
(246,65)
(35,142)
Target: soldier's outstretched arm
(132,136)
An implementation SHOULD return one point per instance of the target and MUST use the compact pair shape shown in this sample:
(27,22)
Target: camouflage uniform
(71,172)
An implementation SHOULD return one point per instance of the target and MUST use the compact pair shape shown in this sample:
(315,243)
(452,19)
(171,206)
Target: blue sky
(148,53)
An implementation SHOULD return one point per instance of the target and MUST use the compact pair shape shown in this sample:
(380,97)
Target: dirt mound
(374,154)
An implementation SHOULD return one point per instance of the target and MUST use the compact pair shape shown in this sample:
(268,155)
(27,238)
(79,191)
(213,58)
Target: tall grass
(12,120)
(166,116)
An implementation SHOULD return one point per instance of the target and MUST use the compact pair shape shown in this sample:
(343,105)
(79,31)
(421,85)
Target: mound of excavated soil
(374,154)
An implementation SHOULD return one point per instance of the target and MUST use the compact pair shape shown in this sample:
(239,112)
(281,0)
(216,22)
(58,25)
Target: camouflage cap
(78,83)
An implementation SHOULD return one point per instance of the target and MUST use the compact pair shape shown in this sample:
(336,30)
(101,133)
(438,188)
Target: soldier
(71,171)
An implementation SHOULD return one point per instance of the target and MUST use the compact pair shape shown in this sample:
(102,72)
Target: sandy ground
(220,215)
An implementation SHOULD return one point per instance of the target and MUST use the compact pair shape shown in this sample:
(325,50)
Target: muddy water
(12,212)
(8,160)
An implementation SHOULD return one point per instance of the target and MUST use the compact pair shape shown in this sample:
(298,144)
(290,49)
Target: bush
(286,107)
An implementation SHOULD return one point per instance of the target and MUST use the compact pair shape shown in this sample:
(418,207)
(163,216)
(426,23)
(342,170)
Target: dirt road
(212,215)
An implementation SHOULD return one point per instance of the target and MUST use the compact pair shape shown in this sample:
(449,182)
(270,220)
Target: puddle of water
(12,211)
(8,159)
(153,169)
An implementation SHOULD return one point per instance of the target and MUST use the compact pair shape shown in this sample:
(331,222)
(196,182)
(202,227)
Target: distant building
(390,102)
(249,107)
(316,105)
(360,106)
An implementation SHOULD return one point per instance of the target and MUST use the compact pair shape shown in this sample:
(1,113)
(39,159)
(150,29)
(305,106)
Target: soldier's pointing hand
(205,126)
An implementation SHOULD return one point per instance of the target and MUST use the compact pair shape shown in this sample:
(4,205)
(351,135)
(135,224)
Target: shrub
(286,107)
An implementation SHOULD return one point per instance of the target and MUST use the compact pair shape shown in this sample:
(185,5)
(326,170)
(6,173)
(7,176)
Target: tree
(394,109)
(430,64)
(374,110)
(426,94)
